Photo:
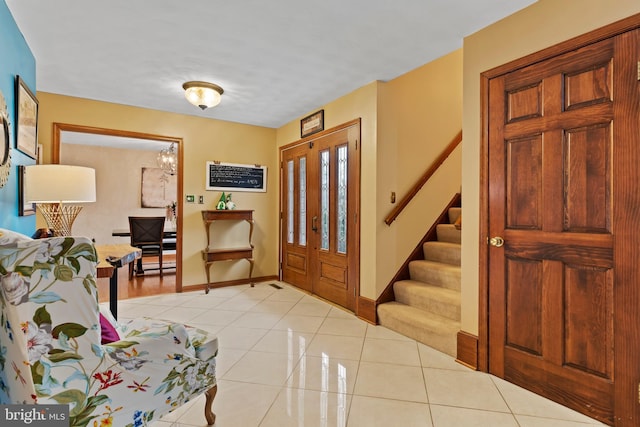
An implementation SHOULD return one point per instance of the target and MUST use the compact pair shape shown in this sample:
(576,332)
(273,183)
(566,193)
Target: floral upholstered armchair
(57,348)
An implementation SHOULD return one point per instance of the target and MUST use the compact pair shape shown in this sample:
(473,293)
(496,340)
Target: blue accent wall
(16,59)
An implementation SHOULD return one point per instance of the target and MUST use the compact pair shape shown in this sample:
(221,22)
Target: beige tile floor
(289,359)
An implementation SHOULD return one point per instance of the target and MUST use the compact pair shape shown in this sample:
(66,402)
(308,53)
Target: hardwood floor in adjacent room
(145,285)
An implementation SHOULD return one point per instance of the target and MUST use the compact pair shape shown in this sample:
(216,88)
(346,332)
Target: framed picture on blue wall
(5,144)
(26,119)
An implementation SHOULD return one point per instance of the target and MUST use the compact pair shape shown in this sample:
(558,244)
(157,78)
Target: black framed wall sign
(237,177)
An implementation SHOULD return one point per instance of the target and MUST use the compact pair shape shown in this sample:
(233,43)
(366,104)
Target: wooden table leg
(113,293)
(250,271)
(207,266)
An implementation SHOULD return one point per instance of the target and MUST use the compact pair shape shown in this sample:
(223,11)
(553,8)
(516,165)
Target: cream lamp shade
(202,94)
(51,186)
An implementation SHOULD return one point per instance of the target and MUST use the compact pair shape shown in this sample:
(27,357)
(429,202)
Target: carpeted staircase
(427,306)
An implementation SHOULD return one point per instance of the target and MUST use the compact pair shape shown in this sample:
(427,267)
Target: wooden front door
(295,233)
(563,215)
(320,224)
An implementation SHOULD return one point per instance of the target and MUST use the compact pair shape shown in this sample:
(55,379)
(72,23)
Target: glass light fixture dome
(202,94)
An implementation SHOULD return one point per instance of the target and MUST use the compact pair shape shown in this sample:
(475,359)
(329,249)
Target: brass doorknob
(496,241)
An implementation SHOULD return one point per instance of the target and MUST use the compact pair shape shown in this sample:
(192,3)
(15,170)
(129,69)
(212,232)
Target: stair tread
(435,299)
(454,213)
(438,243)
(433,322)
(436,265)
(448,226)
(436,273)
(443,244)
(428,289)
(444,252)
(448,233)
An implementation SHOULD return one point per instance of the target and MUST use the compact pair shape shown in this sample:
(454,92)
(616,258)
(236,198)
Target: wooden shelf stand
(211,255)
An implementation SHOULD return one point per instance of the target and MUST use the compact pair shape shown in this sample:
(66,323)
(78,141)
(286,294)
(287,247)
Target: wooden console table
(211,255)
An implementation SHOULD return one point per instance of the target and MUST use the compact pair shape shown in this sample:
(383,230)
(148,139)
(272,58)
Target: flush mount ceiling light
(202,94)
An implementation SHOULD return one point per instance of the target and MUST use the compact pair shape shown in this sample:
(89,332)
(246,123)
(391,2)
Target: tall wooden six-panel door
(564,227)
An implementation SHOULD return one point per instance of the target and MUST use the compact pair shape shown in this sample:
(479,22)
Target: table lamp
(55,189)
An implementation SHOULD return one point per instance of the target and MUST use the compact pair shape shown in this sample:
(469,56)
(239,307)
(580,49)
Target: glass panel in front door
(290,202)
(341,203)
(302,231)
(324,200)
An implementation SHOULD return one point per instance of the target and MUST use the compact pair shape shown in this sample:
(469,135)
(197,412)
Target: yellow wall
(419,113)
(360,103)
(406,123)
(541,25)
(118,189)
(203,139)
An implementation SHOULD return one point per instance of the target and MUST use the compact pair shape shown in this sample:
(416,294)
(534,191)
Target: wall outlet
(201,199)
(190,198)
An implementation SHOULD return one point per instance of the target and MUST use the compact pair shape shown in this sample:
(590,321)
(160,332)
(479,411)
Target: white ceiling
(276,60)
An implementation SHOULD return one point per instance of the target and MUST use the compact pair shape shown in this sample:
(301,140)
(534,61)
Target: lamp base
(59,217)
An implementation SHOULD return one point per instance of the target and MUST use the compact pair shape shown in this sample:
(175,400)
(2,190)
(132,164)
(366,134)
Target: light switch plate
(191,198)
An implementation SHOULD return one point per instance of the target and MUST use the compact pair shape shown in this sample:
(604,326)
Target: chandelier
(168,160)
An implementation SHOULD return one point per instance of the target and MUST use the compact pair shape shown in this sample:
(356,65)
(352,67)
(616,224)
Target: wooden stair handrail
(423,179)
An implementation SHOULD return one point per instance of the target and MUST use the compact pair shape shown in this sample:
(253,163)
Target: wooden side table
(211,255)
(112,257)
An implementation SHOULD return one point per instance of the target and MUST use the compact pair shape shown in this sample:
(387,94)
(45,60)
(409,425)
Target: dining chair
(146,234)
